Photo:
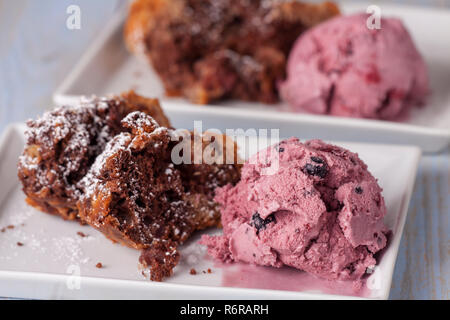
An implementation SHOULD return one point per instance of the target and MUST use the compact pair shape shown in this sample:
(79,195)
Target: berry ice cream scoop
(311,206)
(343,68)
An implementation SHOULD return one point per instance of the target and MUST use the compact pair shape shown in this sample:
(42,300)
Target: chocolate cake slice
(109,162)
(63,144)
(135,195)
(208,50)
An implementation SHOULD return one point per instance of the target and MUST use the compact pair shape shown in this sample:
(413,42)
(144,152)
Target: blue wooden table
(37,51)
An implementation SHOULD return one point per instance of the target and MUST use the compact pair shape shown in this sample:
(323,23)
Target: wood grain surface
(37,51)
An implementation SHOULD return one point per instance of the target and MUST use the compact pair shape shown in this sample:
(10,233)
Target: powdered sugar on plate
(22,240)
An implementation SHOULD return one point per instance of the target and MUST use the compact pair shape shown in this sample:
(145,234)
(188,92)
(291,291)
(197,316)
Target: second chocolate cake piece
(136,196)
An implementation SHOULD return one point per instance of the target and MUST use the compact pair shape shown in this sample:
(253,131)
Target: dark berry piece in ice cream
(260,223)
(320,169)
(358,190)
(317,160)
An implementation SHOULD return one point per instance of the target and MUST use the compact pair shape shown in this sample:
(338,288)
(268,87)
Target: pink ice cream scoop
(343,68)
(311,206)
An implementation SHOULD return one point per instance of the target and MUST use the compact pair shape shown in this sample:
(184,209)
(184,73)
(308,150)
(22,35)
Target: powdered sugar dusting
(123,142)
(24,237)
(91,182)
(81,131)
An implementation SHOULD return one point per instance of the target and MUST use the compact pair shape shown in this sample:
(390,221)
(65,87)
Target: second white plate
(108,68)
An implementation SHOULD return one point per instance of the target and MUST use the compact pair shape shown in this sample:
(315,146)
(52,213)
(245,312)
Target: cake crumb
(209,271)
(99,265)
(193,271)
(81,234)
(20,244)
(6,228)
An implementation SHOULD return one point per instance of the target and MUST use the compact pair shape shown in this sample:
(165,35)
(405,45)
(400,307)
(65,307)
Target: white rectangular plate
(52,255)
(107,68)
